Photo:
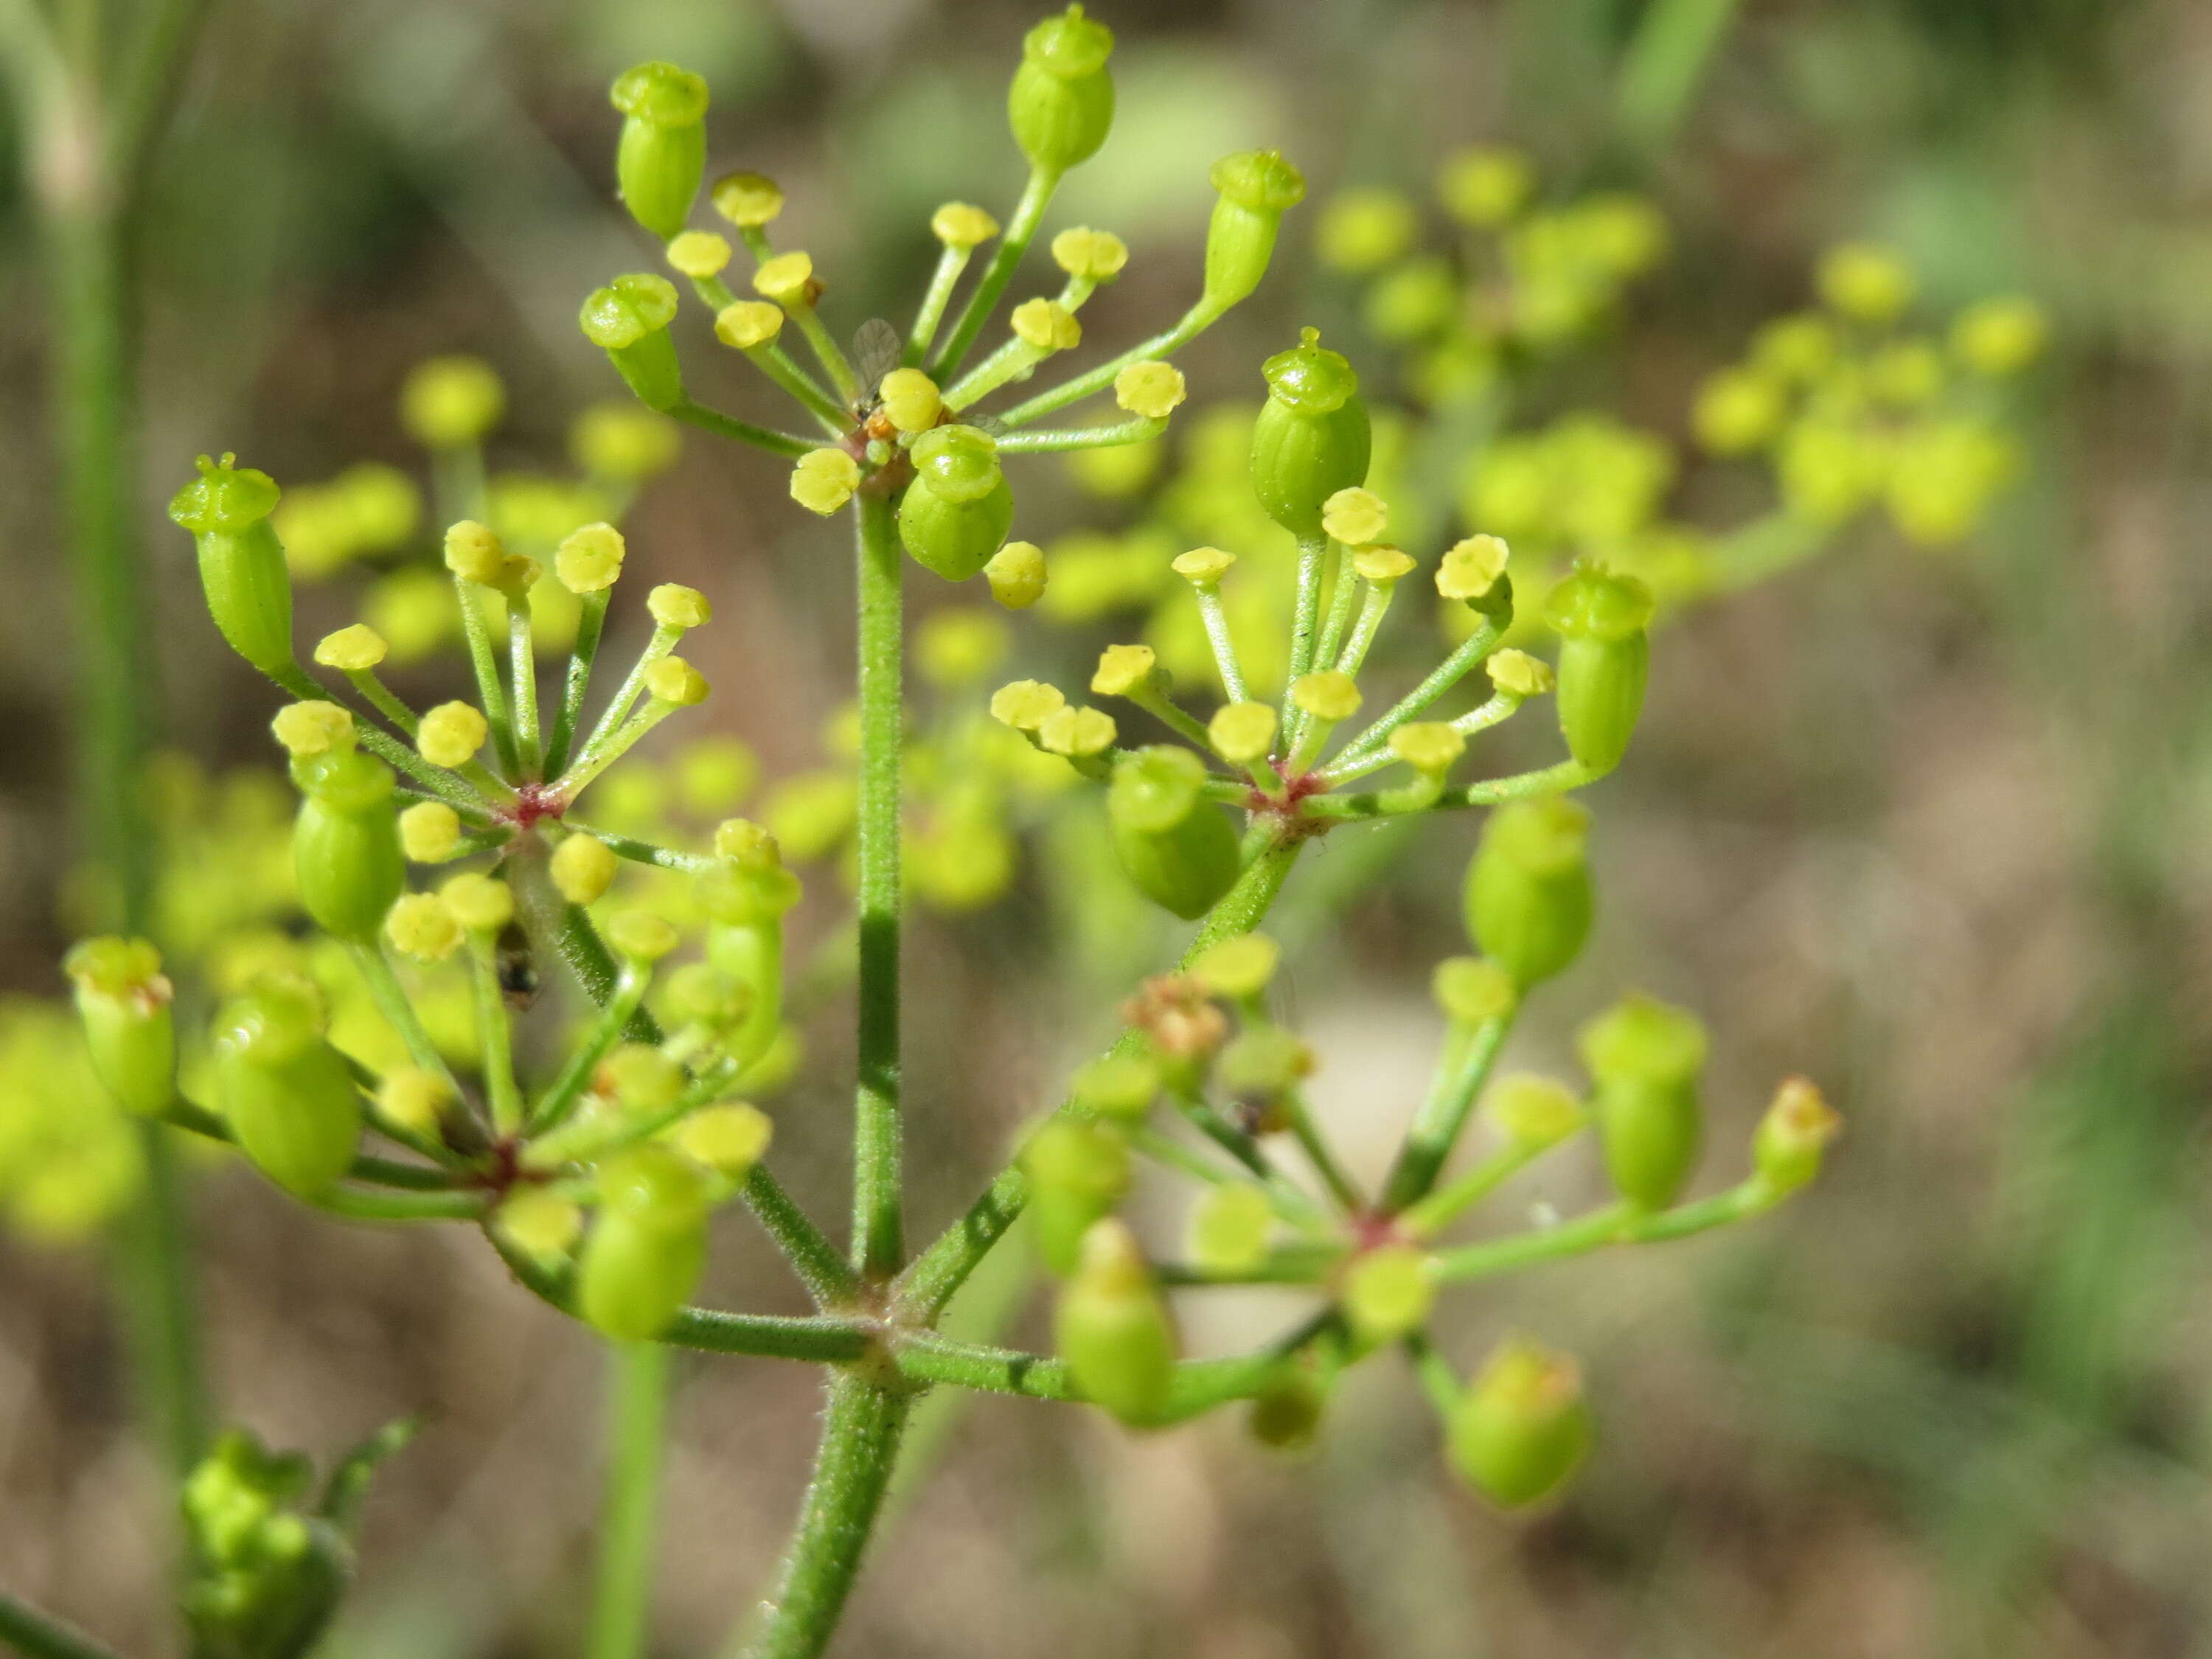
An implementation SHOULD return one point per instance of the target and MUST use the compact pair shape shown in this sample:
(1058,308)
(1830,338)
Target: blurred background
(1922,825)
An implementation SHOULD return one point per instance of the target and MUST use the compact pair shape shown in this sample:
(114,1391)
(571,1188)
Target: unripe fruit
(1311,439)
(1079,1171)
(1177,846)
(647,1250)
(1528,899)
(955,514)
(1256,188)
(122,999)
(1644,1057)
(345,843)
(1112,1330)
(1060,106)
(1793,1136)
(662,154)
(628,319)
(1523,1426)
(1605,659)
(285,1093)
(242,573)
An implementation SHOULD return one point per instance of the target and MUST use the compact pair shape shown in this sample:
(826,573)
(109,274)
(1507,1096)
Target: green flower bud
(1605,657)
(1117,1086)
(1255,189)
(1229,1229)
(345,843)
(1387,1292)
(955,514)
(1311,439)
(663,153)
(1079,1172)
(242,573)
(1793,1136)
(285,1093)
(122,999)
(1177,846)
(647,1250)
(1113,1330)
(266,1575)
(1645,1057)
(628,319)
(449,403)
(1528,899)
(1061,103)
(1522,1427)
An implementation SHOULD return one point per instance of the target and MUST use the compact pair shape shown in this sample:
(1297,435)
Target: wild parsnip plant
(592,1159)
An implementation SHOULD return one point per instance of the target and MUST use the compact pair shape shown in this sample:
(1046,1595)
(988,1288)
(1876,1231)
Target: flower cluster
(450,854)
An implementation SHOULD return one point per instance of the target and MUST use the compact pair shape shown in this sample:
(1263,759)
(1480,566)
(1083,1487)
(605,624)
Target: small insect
(517,968)
(876,350)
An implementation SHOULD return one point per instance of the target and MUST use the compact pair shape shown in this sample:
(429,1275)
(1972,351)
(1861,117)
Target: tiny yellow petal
(352,650)
(1330,695)
(1355,516)
(1243,732)
(429,831)
(1123,669)
(674,680)
(1517,674)
(1026,704)
(788,279)
(1470,568)
(698,254)
(1150,389)
(450,734)
(1202,567)
(1077,733)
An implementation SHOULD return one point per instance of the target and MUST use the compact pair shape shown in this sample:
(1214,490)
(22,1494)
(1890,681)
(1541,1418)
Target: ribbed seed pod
(1061,105)
(955,514)
(662,153)
(1644,1056)
(1527,898)
(648,1246)
(1255,189)
(241,563)
(1177,846)
(1605,659)
(1112,1329)
(1079,1172)
(1523,1426)
(122,999)
(285,1093)
(1311,439)
(628,319)
(345,843)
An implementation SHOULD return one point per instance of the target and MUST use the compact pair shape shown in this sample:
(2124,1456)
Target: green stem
(591,624)
(1199,1385)
(496,1038)
(1436,1126)
(1194,322)
(478,627)
(860,1431)
(938,1270)
(950,262)
(367,1204)
(522,678)
(1223,642)
(826,352)
(1029,212)
(1134,430)
(744,432)
(637,1399)
(878,1239)
(1381,802)
(1446,674)
(1314,558)
(36,1635)
(1617,1223)
(85,203)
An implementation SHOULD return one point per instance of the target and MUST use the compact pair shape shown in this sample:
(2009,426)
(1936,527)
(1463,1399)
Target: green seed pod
(745,898)
(1177,846)
(663,153)
(955,514)
(1605,657)
(287,1094)
(1311,439)
(1061,103)
(249,591)
(122,999)
(1644,1057)
(345,843)
(1793,1136)
(1112,1329)
(647,1249)
(628,319)
(1256,188)
(1527,900)
(1079,1172)
(1522,1427)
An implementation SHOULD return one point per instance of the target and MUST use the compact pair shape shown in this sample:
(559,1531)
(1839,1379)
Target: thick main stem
(860,1431)
(638,1401)
(878,1229)
(94,392)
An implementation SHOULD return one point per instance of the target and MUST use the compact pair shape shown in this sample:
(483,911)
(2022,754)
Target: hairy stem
(36,1635)
(637,1400)
(860,1431)
(879,1237)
